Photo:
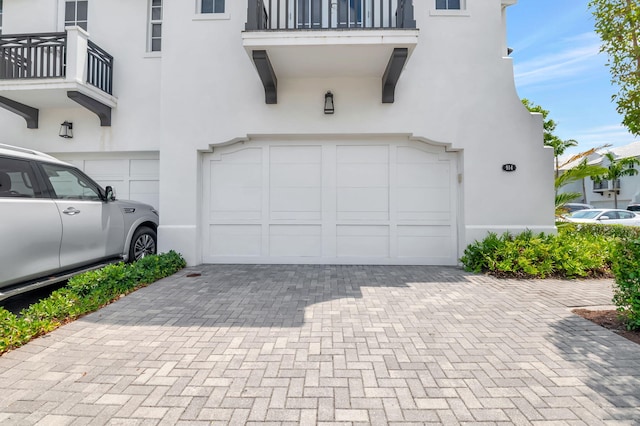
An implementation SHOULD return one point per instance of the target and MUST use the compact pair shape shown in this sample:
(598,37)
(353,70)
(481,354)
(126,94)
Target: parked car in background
(56,221)
(574,207)
(607,216)
(633,207)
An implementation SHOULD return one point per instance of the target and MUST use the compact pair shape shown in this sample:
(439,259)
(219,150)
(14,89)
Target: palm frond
(579,172)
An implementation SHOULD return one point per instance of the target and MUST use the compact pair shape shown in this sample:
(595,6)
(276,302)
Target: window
(70,184)
(75,13)
(155,26)
(212,6)
(448,4)
(16,179)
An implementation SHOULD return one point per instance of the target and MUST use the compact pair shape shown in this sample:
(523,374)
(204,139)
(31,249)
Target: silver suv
(56,221)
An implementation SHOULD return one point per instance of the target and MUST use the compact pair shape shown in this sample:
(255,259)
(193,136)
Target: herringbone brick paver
(330,345)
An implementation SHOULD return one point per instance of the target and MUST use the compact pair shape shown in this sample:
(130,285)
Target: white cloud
(614,134)
(578,57)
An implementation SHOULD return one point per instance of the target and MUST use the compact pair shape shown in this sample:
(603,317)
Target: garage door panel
(145,191)
(362,241)
(295,189)
(364,154)
(235,240)
(105,168)
(239,203)
(362,203)
(291,154)
(363,175)
(428,202)
(296,175)
(296,203)
(295,240)
(141,169)
(237,175)
(431,175)
(238,190)
(417,241)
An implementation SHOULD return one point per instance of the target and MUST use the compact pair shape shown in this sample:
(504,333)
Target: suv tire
(143,243)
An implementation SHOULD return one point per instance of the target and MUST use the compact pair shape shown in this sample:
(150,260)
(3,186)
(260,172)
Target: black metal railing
(33,56)
(99,68)
(603,185)
(329,14)
(45,56)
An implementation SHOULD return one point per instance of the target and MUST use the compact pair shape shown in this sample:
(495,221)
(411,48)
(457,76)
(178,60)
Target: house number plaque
(509,167)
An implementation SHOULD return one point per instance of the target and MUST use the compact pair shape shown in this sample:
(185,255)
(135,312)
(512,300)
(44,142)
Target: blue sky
(557,66)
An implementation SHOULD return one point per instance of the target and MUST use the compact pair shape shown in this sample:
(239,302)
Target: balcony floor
(329,53)
(50,93)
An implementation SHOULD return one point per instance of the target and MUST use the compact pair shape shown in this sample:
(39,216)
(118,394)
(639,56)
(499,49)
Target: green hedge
(571,253)
(612,231)
(626,293)
(84,293)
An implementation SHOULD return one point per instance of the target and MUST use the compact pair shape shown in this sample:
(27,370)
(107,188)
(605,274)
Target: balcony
(54,70)
(606,186)
(330,38)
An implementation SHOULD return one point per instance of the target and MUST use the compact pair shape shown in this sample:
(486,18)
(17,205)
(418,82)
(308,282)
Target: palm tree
(618,168)
(578,172)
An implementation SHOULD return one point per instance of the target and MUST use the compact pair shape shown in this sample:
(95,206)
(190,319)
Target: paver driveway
(335,344)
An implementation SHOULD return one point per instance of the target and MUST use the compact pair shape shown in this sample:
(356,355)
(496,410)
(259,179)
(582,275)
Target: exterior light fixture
(328,103)
(66,130)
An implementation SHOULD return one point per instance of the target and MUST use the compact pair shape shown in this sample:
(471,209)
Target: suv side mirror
(110,193)
(603,218)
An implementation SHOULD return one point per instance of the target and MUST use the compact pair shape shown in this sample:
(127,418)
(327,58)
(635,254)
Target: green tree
(617,22)
(618,168)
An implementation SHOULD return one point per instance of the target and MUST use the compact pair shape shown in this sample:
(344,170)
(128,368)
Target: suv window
(16,179)
(69,183)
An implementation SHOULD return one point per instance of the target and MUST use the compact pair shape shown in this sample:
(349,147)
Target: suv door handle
(71,211)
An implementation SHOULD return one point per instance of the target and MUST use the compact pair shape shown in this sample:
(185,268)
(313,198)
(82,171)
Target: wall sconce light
(66,130)
(328,103)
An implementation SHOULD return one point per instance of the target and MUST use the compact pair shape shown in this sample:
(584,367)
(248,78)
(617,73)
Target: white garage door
(134,176)
(349,202)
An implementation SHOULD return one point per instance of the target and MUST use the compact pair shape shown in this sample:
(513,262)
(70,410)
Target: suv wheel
(143,243)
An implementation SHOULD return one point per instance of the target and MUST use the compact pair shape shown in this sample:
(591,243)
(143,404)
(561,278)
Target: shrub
(84,293)
(10,330)
(626,294)
(569,254)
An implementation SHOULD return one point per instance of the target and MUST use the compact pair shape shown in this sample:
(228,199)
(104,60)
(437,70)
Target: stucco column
(179,206)
(76,54)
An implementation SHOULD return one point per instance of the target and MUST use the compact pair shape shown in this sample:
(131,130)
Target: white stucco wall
(457,89)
